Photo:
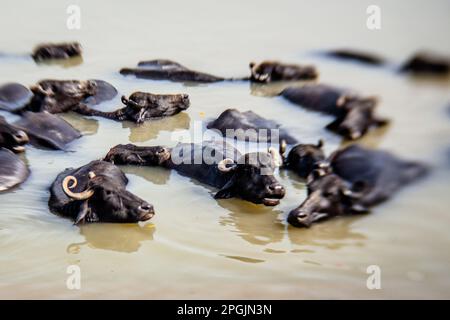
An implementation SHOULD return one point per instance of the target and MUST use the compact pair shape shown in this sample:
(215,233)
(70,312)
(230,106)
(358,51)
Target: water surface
(195,246)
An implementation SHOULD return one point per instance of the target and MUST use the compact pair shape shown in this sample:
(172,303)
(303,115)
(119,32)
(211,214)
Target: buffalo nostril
(21,136)
(277,189)
(145,208)
(302,216)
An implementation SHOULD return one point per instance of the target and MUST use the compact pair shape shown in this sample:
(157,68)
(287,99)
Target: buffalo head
(142,105)
(252,178)
(11,137)
(56,51)
(358,117)
(328,196)
(106,200)
(268,71)
(56,96)
(134,155)
(303,157)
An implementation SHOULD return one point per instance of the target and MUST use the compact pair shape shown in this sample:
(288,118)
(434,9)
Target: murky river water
(195,246)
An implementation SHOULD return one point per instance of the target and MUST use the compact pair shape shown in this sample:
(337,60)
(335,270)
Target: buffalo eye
(327,194)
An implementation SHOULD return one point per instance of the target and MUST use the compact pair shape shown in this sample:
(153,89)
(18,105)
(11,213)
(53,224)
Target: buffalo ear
(320,143)
(84,210)
(227,191)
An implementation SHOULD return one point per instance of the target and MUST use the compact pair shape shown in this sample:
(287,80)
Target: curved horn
(49,92)
(77,196)
(222,165)
(283,146)
(275,156)
(131,103)
(320,143)
(124,100)
(341,100)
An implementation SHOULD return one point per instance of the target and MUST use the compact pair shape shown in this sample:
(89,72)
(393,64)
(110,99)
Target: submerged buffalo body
(97,192)
(427,63)
(13,170)
(14,96)
(11,137)
(354,55)
(217,164)
(271,71)
(379,173)
(355,180)
(141,106)
(51,51)
(161,69)
(47,130)
(354,115)
(250,126)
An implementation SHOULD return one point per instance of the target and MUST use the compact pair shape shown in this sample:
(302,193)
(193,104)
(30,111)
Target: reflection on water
(429,80)
(372,139)
(244,259)
(274,88)
(261,226)
(64,63)
(333,234)
(256,224)
(155,175)
(87,126)
(113,237)
(150,129)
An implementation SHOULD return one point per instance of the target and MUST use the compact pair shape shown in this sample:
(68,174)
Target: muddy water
(197,247)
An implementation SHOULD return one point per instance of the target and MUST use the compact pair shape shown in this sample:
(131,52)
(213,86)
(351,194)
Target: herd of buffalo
(350,181)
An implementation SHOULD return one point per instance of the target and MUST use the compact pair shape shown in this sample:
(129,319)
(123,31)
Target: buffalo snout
(145,211)
(310,211)
(277,190)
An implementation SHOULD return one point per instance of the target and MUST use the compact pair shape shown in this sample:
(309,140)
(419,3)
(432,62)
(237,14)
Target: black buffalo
(141,106)
(356,55)
(264,72)
(97,192)
(354,180)
(354,115)
(302,158)
(271,71)
(11,137)
(249,126)
(13,170)
(49,51)
(217,164)
(427,63)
